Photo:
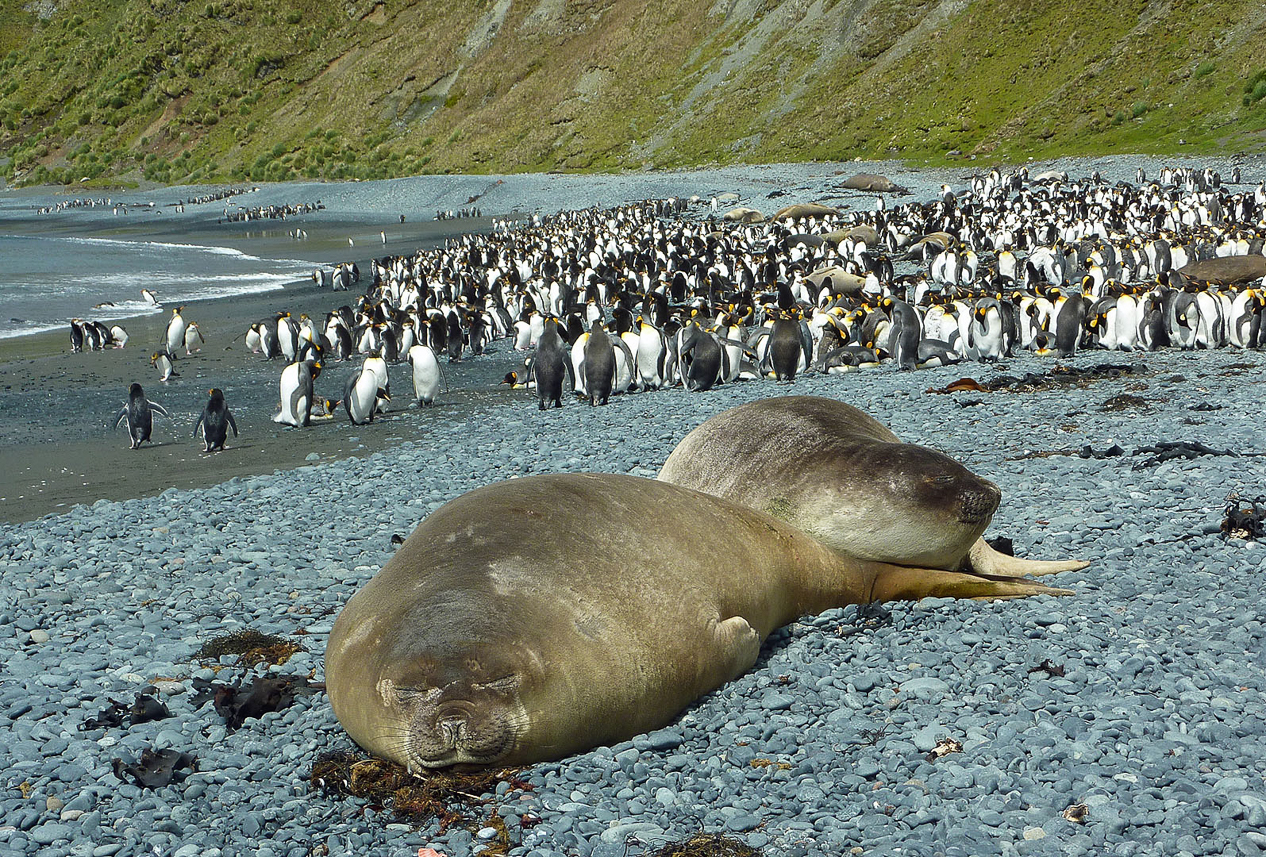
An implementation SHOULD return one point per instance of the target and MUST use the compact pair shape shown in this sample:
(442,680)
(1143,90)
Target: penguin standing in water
(550,365)
(139,413)
(296,393)
(216,420)
(426,374)
(599,364)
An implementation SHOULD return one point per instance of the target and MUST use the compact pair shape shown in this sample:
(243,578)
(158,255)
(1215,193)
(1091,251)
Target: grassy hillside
(260,90)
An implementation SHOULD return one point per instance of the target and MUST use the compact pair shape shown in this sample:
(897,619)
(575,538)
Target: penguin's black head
(135,390)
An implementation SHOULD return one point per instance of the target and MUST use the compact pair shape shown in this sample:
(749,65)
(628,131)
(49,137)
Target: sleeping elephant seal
(842,477)
(743,215)
(544,616)
(805,209)
(872,183)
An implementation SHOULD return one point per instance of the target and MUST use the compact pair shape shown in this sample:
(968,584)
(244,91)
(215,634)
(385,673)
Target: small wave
(14,328)
(174,245)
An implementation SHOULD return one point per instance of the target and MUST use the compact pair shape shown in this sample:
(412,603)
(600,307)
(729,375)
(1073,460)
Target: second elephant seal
(841,476)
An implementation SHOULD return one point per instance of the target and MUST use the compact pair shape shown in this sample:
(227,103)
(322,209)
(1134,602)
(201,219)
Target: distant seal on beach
(540,617)
(743,215)
(805,209)
(841,476)
(872,183)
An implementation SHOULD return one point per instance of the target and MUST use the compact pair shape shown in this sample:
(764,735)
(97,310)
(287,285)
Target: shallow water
(49,280)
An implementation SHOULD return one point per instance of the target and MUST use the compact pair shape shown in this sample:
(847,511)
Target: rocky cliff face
(258,89)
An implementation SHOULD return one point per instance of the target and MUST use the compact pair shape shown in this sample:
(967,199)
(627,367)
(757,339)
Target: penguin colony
(648,296)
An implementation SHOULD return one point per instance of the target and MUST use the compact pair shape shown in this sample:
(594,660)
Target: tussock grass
(262,90)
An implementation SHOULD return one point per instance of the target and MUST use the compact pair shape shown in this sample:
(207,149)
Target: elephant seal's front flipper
(906,583)
(983,559)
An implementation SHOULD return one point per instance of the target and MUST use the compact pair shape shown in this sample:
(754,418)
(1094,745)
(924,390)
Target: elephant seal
(841,476)
(872,183)
(840,281)
(540,617)
(1226,270)
(743,215)
(805,209)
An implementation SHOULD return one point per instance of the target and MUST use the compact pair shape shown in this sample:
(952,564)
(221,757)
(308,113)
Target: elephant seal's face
(436,722)
(894,502)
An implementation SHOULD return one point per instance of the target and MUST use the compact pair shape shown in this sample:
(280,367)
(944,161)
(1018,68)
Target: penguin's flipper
(122,416)
(985,560)
(154,406)
(232,422)
(201,418)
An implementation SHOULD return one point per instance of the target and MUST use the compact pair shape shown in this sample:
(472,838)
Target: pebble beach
(1127,718)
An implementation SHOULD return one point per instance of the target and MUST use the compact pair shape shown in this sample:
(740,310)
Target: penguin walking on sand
(426,374)
(216,420)
(378,366)
(160,361)
(139,413)
(193,338)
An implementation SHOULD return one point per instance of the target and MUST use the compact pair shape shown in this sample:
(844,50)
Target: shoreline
(58,445)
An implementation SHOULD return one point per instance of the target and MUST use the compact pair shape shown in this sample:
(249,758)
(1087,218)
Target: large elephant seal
(545,616)
(841,476)
(1226,270)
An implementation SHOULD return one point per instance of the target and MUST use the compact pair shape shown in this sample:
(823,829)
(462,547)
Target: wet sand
(58,444)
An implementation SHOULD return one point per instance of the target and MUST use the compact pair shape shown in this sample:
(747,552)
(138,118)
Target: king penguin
(426,374)
(786,351)
(599,364)
(550,365)
(361,394)
(175,337)
(296,393)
